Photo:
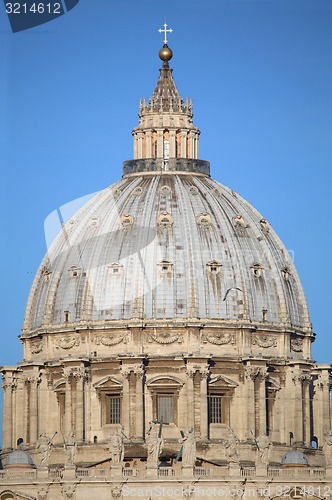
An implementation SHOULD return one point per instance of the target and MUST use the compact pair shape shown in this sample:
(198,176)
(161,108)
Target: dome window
(217,192)
(116,193)
(138,191)
(256,270)
(74,272)
(127,221)
(94,222)
(165,190)
(193,190)
(204,219)
(165,219)
(66,316)
(286,273)
(264,225)
(214,267)
(115,268)
(47,275)
(166,266)
(239,222)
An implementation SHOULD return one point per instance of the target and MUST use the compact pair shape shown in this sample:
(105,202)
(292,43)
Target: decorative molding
(219,338)
(110,340)
(264,341)
(67,342)
(36,345)
(252,372)
(165,337)
(296,345)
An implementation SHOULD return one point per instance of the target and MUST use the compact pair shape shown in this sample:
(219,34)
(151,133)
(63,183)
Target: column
(250,373)
(204,404)
(126,400)
(34,382)
(261,399)
(172,139)
(298,408)
(160,144)
(80,405)
(190,397)
(139,372)
(7,426)
(196,146)
(191,152)
(148,144)
(306,379)
(68,403)
(135,147)
(183,145)
(139,144)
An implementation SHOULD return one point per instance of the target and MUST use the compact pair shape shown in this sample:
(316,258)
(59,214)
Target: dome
(294,457)
(19,458)
(172,245)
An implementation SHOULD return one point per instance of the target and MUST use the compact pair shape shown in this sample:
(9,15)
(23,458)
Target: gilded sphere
(165,54)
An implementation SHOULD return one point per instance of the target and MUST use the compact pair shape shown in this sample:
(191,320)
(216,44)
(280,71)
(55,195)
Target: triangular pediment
(107,382)
(222,381)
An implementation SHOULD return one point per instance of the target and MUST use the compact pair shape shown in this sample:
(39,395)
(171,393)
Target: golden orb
(165,53)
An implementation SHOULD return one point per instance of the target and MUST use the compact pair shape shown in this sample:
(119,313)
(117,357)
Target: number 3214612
(35,8)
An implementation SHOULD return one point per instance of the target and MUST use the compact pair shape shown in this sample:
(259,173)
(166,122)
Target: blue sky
(260,76)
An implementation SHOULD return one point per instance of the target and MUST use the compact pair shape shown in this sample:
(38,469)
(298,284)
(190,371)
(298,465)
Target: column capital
(254,372)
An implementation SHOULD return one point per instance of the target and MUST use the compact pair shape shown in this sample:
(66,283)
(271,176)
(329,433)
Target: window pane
(114,406)
(165,409)
(215,409)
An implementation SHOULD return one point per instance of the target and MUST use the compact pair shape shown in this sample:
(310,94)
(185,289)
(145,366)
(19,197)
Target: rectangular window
(165,409)
(215,409)
(114,405)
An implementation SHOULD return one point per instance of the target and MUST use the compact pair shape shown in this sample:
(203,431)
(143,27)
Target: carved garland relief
(37,345)
(219,338)
(67,342)
(165,338)
(296,345)
(109,340)
(264,341)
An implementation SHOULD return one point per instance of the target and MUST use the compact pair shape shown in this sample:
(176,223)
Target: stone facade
(194,382)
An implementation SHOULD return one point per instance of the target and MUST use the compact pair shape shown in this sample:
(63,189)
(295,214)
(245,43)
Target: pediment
(222,381)
(164,380)
(107,382)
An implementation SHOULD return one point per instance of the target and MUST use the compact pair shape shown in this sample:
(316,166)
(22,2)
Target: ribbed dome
(167,245)
(294,457)
(19,458)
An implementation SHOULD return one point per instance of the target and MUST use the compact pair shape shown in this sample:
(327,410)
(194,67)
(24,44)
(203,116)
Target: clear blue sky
(260,75)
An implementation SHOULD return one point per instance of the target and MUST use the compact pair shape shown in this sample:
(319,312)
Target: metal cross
(165,31)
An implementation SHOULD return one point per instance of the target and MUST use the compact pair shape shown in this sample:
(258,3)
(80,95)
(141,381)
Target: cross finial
(165,31)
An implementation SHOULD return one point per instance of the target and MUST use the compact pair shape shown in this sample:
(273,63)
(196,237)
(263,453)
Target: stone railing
(301,472)
(95,473)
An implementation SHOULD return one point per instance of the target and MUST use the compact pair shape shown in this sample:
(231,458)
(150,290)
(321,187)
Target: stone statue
(155,443)
(116,447)
(44,446)
(230,444)
(189,448)
(327,449)
(264,444)
(70,447)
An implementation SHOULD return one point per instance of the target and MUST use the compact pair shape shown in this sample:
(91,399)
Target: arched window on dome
(214,267)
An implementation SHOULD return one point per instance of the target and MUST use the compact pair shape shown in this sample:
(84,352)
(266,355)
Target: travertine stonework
(169,299)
